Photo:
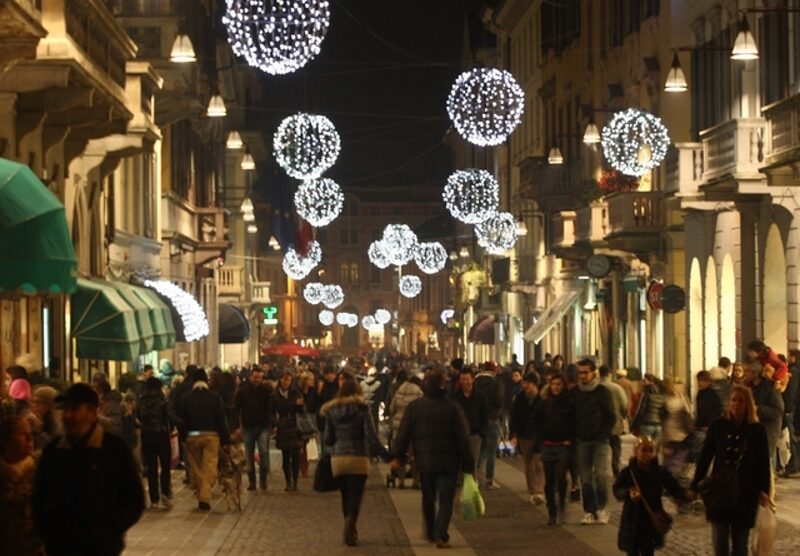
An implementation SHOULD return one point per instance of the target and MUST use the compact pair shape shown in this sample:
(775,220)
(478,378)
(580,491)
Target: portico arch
(727,310)
(696,336)
(711,315)
(775,313)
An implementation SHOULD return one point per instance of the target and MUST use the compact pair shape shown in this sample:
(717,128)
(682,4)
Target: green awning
(36,253)
(142,311)
(160,318)
(103,324)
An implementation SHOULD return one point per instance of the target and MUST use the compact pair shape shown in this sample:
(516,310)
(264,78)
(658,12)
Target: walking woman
(737,445)
(555,421)
(349,436)
(287,402)
(647,420)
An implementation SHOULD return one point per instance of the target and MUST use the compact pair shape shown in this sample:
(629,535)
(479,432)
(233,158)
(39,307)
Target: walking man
(487,383)
(437,429)
(253,407)
(475,408)
(620,401)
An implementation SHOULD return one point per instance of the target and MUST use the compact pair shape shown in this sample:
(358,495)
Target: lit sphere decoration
(369,322)
(498,232)
(332,296)
(352,320)
(400,242)
(343,318)
(410,285)
(297,266)
(430,257)
(471,195)
(326,317)
(319,201)
(634,142)
(485,105)
(306,145)
(313,292)
(447,314)
(277,36)
(377,254)
(382,316)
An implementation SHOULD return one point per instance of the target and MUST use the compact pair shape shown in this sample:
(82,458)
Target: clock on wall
(598,266)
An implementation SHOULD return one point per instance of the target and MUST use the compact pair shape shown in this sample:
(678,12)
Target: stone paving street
(307,523)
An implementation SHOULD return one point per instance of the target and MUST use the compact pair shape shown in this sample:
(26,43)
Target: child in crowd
(640,487)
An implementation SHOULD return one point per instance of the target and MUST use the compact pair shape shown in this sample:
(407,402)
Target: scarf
(589,387)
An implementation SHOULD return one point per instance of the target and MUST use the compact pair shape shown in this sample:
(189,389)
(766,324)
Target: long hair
(750,412)
(349,386)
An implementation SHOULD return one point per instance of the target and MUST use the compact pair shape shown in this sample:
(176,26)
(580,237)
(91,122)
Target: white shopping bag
(764,532)
(312,453)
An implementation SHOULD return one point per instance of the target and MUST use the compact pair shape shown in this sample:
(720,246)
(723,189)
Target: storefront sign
(270,313)
(654,296)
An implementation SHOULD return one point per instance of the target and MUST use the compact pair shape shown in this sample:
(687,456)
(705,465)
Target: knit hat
(20,389)
(79,393)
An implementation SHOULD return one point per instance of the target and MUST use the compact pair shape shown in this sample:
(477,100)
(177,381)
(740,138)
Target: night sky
(382,77)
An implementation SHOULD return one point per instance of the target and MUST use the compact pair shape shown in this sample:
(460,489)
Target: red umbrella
(288,349)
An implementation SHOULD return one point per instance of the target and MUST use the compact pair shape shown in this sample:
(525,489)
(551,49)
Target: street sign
(270,313)
(654,296)
(673,299)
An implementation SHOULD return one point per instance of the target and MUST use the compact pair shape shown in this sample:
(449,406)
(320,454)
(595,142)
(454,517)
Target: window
(711,71)
(560,25)
(354,276)
(344,273)
(353,237)
(774,43)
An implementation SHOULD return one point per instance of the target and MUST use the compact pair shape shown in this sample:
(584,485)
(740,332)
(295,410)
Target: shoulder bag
(659,519)
(720,490)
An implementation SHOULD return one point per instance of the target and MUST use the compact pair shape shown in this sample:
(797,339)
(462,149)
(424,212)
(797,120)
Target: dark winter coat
(595,416)
(635,524)
(769,408)
(285,411)
(709,407)
(724,441)
(494,391)
(437,429)
(522,425)
(85,497)
(476,410)
(253,405)
(175,397)
(650,407)
(111,412)
(326,392)
(555,418)
(790,394)
(153,411)
(203,410)
(349,428)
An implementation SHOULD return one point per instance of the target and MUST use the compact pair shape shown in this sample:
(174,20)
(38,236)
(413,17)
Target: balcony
(733,152)
(591,224)
(230,281)
(553,187)
(21,29)
(635,221)
(198,229)
(684,165)
(783,141)
(563,229)
(261,293)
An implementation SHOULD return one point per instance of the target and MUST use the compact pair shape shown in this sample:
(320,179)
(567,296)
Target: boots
(251,478)
(262,479)
(350,533)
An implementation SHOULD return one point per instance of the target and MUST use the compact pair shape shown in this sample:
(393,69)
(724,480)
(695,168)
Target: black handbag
(324,481)
(306,424)
(720,490)
(661,520)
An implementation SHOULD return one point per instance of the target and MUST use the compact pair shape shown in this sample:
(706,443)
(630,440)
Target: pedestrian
(327,390)
(180,387)
(620,399)
(287,402)
(253,405)
(640,487)
(790,398)
(676,426)
(438,431)
(737,445)
(47,423)
(351,438)
(110,411)
(19,388)
(774,368)
(307,383)
(87,492)
(708,403)
(487,383)
(555,422)
(595,418)
(202,414)
(153,413)
(523,433)
(408,391)
(624,382)
(17,471)
(769,404)
(737,376)
(647,421)
(475,408)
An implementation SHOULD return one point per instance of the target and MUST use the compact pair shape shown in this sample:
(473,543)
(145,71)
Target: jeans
(555,460)
(489,448)
(616,453)
(156,452)
(257,438)
(439,487)
(291,466)
(352,489)
(594,465)
(653,431)
(475,449)
(534,471)
(203,453)
(722,534)
(788,421)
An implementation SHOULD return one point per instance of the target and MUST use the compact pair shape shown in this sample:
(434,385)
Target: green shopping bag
(472,506)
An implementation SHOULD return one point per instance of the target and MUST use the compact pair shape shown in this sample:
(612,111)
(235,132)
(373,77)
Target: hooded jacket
(202,410)
(405,394)
(349,429)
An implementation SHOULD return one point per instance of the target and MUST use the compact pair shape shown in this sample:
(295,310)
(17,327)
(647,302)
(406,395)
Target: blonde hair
(750,412)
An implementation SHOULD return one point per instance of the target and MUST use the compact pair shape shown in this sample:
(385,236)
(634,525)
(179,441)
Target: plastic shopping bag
(765,531)
(312,453)
(472,506)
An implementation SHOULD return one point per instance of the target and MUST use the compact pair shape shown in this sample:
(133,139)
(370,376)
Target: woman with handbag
(644,522)
(740,481)
(350,437)
(287,402)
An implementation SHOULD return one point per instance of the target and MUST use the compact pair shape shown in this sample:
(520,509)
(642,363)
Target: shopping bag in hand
(765,532)
(472,506)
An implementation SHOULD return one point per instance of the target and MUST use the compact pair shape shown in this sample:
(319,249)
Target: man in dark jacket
(594,419)
(789,396)
(522,431)
(255,414)
(476,410)
(202,414)
(487,383)
(327,389)
(708,403)
(769,405)
(175,395)
(438,431)
(87,491)
(153,414)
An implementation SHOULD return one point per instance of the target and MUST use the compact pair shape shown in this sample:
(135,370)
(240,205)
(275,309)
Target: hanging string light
(634,142)
(332,296)
(400,242)
(382,316)
(497,233)
(297,266)
(485,105)
(319,201)
(377,254)
(313,292)
(277,36)
(410,285)
(430,257)
(306,145)
(326,317)
(471,195)
(193,317)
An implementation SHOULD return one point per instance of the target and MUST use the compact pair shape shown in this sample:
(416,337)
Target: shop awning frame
(103,325)
(233,325)
(552,315)
(482,332)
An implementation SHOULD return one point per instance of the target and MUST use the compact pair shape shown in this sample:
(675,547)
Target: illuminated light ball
(319,201)
(313,292)
(634,142)
(485,105)
(410,285)
(430,257)
(277,36)
(400,242)
(369,322)
(306,145)
(193,317)
(332,296)
(447,314)
(382,316)
(352,320)
(326,317)
(343,318)
(297,266)
(471,195)
(497,233)
(377,254)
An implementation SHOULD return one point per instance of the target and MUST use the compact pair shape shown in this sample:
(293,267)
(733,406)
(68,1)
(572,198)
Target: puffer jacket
(349,429)
(650,408)
(406,393)
(153,411)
